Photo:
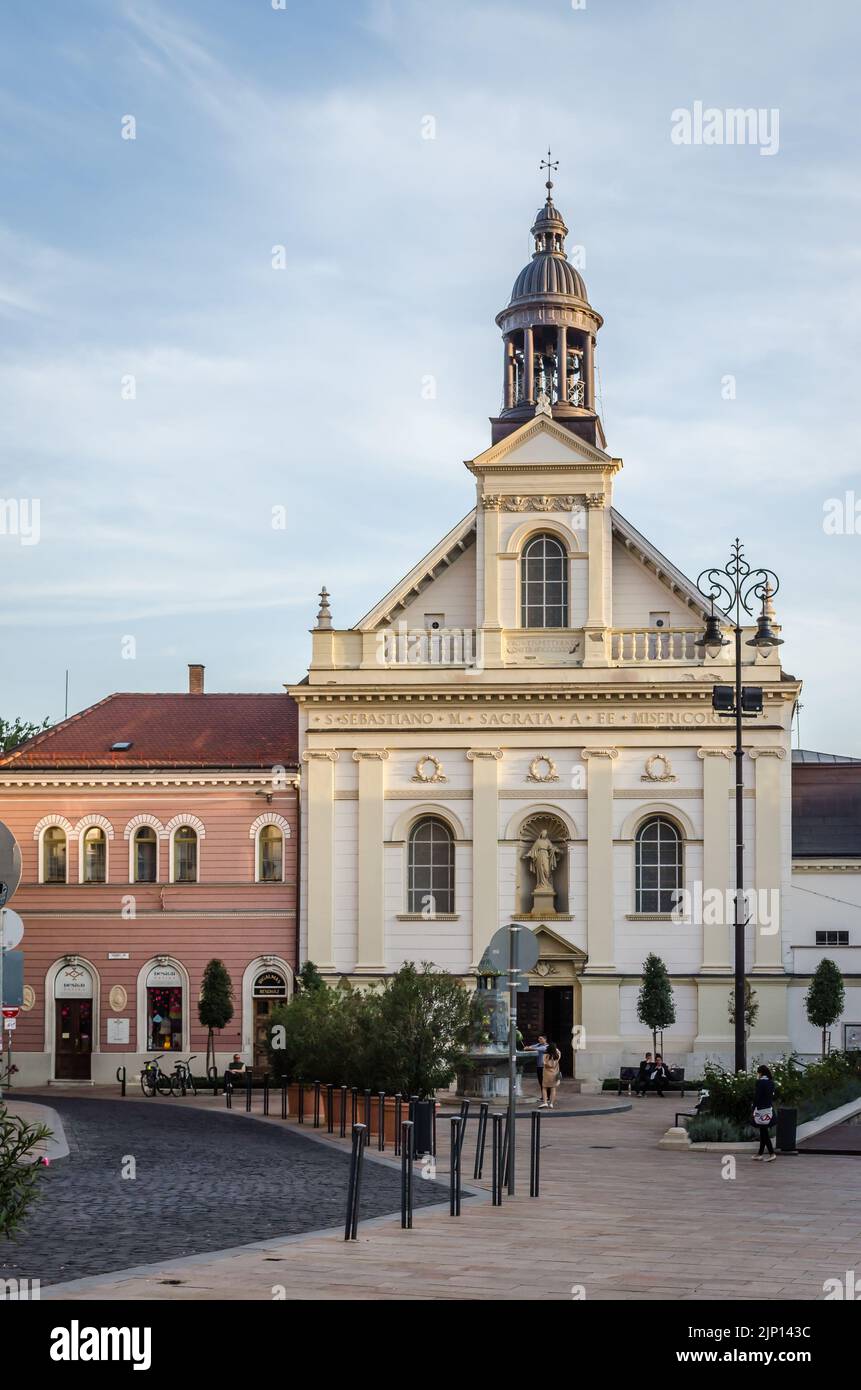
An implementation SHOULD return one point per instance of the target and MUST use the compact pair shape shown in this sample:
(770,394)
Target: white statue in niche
(543,856)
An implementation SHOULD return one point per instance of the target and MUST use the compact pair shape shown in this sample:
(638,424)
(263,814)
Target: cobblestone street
(205,1180)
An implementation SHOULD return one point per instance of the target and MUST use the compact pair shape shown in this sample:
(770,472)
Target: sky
(214,427)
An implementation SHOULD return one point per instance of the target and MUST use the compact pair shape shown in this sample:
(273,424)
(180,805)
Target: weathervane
(550,165)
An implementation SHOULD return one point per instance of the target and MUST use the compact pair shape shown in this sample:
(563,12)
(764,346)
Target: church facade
(522,730)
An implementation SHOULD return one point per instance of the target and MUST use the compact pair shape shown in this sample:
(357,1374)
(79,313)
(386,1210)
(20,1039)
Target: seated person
(659,1076)
(237,1067)
(643,1075)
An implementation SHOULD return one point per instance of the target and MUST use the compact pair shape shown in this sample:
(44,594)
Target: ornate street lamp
(737,589)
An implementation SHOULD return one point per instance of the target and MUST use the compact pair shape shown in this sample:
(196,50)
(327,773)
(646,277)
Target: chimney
(195,679)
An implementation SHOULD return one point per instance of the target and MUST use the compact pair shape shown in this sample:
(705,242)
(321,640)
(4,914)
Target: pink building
(157,832)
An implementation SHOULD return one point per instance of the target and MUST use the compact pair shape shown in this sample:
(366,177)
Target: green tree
(19,1168)
(424,1025)
(751,1007)
(309,978)
(15,731)
(825,998)
(215,1006)
(655,1005)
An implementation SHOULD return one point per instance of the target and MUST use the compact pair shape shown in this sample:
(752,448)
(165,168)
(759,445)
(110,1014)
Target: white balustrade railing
(639,644)
(404,646)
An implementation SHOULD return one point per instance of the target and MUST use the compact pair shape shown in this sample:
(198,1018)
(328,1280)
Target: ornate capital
(715,753)
(331,754)
(379,753)
(767,752)
(611,753)
(594,500)
(473,753)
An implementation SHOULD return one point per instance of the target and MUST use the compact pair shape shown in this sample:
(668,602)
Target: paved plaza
(617,1217)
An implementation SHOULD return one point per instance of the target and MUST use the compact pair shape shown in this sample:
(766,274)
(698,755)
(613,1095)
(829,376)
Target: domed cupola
(548,329)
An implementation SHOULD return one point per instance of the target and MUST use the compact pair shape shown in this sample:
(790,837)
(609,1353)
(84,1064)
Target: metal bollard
(266,1093)
(228,1092)
(342,1131)
(399,1106)
(355,1187)
(212,1073)
(454,1166)
(284,1099)
(535,1155)
(480,1138)
(354,1105)
(121,1077)
(405,1142)
(381,1137)
(367,1117)
(330,1111)
(505,1149)
(301,1106)
(464,1116)
(496,1158)
(248,1079)
(316,1104)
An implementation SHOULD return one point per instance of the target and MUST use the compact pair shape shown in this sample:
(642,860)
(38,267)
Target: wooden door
(73,1044)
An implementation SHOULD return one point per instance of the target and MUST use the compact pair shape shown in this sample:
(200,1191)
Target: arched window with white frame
(145,855)
(544,583)
(184,855)
(270,854)
(430,867)
(54,854)
(94,855)
(658,865)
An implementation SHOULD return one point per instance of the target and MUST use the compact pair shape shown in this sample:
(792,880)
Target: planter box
(293,1102)
(389,1113)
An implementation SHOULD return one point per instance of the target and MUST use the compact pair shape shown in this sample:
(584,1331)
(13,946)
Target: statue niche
(543,867)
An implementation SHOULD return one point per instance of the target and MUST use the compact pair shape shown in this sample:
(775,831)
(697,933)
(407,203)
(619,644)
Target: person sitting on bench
(659,1076)
(642,1080)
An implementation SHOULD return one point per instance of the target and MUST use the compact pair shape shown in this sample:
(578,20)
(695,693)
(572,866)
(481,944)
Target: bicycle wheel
(189,1084)
(165,1084)
(147,1084)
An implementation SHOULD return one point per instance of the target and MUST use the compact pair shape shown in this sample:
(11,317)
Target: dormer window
(544,583)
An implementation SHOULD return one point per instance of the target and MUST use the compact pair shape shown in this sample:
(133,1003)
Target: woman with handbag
(551,1075)
(763,1114)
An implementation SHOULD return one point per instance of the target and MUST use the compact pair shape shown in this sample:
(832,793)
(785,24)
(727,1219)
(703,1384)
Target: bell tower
(548,334)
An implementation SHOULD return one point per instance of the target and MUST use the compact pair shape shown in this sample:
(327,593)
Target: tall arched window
(54,855)
(270,854)
(430,867)
(95,855)
(185,855)
(145,862)
(544,583)
(658,865)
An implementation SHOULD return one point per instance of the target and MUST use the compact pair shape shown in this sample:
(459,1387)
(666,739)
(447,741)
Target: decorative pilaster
(716,861)
(596,621)
(562,362)
(321,858)
(371,931)
(599,868)
(485,850)
(768,859)
(491,635)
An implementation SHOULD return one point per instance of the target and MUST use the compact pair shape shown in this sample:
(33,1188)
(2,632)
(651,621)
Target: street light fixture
(737,588)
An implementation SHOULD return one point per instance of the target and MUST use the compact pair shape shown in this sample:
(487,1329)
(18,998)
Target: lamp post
(737,588)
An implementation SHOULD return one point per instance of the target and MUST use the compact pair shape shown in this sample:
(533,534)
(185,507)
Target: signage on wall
(118,1030)
(73,982)
(118,955)
(164,977)
(270,984)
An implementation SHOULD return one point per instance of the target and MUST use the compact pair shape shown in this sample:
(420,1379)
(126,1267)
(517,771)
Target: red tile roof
(168,731)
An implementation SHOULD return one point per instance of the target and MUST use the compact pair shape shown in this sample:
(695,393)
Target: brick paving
(617,1219)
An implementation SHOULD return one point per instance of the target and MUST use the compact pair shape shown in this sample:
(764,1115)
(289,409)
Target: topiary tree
(825,998)
(751,1007)
(19,1168)
(655,1007)
(309,978)
(215,1006)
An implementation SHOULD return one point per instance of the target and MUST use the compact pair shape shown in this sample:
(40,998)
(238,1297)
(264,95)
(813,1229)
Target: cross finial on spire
(550,165)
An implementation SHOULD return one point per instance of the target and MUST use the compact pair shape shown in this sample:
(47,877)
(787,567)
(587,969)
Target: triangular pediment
(552,946)
(429,568)
(542,442)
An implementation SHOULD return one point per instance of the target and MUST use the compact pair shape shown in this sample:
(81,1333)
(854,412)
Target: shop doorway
(269,990)
(73,1024)
(549,1010)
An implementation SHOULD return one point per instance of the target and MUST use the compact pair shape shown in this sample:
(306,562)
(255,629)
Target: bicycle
(153,1079)
(181,1078)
